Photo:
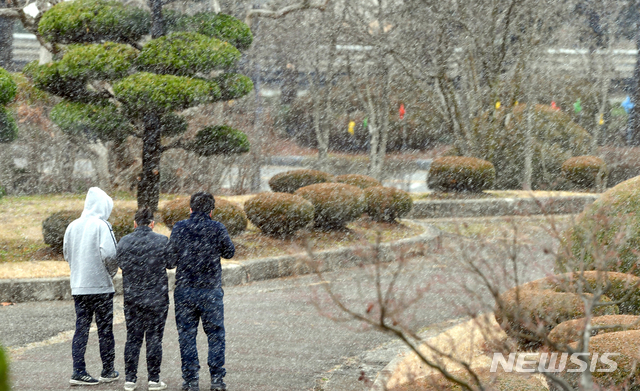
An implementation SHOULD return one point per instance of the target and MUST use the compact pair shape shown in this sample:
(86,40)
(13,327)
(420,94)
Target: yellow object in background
(352,126)
(497,105)
(601,122)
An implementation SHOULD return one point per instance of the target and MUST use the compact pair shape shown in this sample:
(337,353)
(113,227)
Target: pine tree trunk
(149,185)
(6,40)
(157,22)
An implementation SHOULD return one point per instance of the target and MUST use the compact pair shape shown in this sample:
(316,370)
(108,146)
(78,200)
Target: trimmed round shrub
(54,227)
(585,171)
(220,139)
(335,204)
(361,181)
(499,381)
(571,330)
(187,53)
(290,181)
(460,173)
(498,136)
(121,220)
(543,304)
(145,91)
(627,346)
(93,20)
(228,213)
(609,227)
(386,204)
(4,370)
(279,214)
(8,87)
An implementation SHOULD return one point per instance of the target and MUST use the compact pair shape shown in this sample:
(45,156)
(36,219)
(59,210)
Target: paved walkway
(276,339)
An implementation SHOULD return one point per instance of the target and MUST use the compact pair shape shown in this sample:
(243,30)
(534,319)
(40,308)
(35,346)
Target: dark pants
(144,321)
(102,306)
(193,304)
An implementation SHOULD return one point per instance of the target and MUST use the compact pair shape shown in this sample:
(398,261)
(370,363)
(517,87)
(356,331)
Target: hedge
(459,173)
(585,172)
(386,204)
(598,231)
(335,204)
(279,214)
(290,181)
(228,213)
(361,181)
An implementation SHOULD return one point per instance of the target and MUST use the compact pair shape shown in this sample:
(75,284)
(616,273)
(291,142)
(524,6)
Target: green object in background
(577,107)
(4,370)
(364,123)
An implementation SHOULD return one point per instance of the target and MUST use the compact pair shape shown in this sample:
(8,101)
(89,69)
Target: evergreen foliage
(101,121)
(85,21)
(114,84)
(219,140)
(186,53)
(8,90)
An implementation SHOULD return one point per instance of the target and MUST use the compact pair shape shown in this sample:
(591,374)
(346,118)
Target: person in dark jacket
(195,248)
(141,257)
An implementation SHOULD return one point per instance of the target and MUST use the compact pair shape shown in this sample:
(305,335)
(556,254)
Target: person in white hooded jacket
(90,249)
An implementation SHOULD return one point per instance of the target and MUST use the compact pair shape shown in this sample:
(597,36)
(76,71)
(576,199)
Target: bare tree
(489,275)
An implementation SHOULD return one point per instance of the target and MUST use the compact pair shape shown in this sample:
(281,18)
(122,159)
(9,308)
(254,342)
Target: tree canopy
(116,84)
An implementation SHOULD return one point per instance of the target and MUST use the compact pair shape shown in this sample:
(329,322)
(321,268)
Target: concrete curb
(500,207)
(42,289)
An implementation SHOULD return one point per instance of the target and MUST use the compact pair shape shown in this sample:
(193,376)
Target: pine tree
(116,84)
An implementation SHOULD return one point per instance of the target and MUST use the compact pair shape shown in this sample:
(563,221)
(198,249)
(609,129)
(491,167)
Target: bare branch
(276,14)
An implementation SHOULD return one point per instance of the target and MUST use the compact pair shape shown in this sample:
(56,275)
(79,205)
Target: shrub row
(539,306)
(468,174)
(121,219)
(54,226)
(290,181)
(228,213)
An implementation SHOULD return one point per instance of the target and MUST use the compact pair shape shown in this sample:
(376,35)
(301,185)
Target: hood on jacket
(97,204)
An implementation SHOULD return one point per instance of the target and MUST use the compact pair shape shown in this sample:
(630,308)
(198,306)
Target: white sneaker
(129,386)
(159,385)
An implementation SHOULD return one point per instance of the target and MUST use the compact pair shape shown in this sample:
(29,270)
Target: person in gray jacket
(90,248)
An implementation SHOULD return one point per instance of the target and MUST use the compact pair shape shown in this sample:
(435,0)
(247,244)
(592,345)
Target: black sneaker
(218,385)
(83,379)
(108,377)
(190,386)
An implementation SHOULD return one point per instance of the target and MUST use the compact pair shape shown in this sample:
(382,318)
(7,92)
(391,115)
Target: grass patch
(253,244)
(496,228)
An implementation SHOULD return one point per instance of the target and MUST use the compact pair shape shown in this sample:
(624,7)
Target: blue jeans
(193,304)
(102,306)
